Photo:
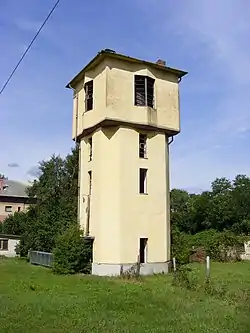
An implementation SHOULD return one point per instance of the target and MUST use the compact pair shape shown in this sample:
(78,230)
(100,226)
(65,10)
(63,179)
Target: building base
(130,269)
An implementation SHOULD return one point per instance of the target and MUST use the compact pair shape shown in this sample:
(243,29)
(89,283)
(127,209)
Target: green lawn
(33,300)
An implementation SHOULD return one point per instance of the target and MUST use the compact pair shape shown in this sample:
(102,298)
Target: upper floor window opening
(144,91)
(90,149)
(8,209)
(142,145)
(143,181)
(88,87)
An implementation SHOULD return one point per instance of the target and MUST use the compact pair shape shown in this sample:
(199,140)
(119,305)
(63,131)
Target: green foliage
(220,246)
(15,224)
(180,246)
(185,277)
(225,207)
(71,253)
(56,191)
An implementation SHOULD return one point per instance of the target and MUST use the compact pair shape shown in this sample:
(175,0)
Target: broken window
(143,250)
(88,95)
(144,91)
(143,181)
(142,145)
(90,149)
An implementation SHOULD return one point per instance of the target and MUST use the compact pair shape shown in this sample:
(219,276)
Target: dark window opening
(144,91)
(143,250)
(88,95)
(142,145)
(4,244)
(90,182)
(90,149)
(19,209)
(143,181)
(8,209)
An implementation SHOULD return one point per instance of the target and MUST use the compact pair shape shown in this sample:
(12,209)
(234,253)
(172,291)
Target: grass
(32,299)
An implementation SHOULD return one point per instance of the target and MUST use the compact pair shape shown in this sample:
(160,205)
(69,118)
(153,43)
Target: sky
(207,38)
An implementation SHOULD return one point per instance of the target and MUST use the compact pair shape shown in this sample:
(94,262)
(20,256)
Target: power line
(28,48)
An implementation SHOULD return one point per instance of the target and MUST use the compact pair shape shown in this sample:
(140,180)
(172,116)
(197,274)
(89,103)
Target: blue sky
(208,38)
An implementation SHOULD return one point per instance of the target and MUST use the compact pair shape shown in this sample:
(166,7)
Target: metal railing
(41,258)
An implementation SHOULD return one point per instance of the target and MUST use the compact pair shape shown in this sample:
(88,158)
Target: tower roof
(112,54)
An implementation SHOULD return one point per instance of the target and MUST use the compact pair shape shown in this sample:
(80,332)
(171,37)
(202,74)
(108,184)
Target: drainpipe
(79,160)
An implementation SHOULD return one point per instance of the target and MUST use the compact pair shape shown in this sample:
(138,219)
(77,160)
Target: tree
(72,254)
(179,208)
(56,191)
(15,224)
(225,207)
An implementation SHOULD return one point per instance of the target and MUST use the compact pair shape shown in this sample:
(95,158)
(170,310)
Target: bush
(220,246)
(15,224)
(185,277)
(72,254)
(180,246)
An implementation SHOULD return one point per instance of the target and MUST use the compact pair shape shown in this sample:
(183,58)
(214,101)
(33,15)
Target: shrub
(72,254)
(180,246)
(220,246)
(185,277)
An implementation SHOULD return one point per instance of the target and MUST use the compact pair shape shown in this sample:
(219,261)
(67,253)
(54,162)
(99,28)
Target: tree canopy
(225,207)
(56,191)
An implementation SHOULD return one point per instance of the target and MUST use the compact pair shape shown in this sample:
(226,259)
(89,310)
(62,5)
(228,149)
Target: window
(144,91)
(142,145)
(8,209)
(90,149)
(90,182)
(143,250)
(3,244)
(19,209)
(88,95)
(143,181)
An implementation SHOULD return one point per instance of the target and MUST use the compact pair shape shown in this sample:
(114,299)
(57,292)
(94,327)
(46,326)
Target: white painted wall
(11,248)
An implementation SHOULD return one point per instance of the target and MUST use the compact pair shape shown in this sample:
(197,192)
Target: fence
(41,258)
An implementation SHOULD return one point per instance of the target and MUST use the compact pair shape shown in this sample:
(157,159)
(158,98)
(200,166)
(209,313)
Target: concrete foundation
(118,269)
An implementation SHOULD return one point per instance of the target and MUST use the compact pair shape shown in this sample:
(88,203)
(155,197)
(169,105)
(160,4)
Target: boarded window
(142,145)
(144,90)
(88,95)
(90,149)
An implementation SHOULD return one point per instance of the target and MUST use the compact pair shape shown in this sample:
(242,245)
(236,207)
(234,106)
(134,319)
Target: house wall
(113,98)
(12,243)
(15,203)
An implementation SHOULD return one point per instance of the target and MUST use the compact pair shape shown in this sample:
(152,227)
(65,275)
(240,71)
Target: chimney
(161,62)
